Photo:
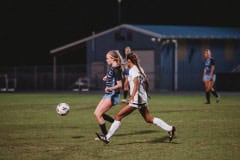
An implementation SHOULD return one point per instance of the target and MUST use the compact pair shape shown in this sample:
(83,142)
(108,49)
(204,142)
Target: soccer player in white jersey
(138,100)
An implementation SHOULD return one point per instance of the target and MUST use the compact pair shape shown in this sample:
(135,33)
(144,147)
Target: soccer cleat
(96,139)
(124,100)
(207,102)
(172,133)
(102,138)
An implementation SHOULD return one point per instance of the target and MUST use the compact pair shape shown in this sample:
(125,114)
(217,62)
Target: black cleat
(207,102)
(102,138)
(172,133)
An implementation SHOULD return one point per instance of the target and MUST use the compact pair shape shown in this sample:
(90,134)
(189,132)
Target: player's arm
(117,86)
(212,71)
(204,72)
(212,68)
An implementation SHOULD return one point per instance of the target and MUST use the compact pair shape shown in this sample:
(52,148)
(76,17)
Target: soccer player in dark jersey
(113,81)
(209,76)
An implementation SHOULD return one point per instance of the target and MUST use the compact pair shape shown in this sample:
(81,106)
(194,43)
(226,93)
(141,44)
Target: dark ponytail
(134,59)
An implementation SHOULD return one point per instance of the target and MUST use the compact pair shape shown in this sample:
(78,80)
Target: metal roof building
(171,55)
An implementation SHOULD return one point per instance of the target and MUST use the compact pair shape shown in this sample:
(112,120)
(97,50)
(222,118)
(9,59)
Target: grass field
(30,129)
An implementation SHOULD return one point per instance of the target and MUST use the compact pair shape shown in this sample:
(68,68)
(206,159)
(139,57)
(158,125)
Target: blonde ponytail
(120,61)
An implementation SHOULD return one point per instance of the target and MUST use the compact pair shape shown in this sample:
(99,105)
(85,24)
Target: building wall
(190,62)
(118,40)
(225,53)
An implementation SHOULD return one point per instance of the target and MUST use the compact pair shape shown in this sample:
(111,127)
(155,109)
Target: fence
(37,78)
(75,78)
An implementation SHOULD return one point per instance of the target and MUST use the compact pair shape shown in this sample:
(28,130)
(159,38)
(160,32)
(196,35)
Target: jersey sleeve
(118,74)
(134,73)
(212,62)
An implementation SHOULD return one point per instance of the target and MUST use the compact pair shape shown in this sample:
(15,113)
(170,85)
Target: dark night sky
(30,28)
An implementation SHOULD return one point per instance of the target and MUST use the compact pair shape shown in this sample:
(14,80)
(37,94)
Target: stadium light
(119,11)
(153,39)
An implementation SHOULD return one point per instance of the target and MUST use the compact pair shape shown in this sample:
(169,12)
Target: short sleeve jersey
(208,63)
(141,93)
(114,74)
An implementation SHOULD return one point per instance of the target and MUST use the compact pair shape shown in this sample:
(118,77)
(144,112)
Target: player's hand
(104,78)
(211,78)
(130,99)
(108,89)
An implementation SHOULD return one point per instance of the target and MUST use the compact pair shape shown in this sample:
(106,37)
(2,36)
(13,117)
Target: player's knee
(118,117)
(208,89)
(148,120)
(96,114)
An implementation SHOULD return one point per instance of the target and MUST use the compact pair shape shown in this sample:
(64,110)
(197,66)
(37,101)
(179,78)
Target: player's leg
(146,115)
(214,92)
(157,121)
(208,87)
(108,118)
(104,105)
(115,100)
(126,110)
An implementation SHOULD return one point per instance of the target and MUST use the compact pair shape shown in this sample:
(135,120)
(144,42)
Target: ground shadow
(77,137)
(137,133)
(164,139)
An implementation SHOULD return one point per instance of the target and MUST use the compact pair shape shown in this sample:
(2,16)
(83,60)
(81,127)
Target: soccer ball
(62,109)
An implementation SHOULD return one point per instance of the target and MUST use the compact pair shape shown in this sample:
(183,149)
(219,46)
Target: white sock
(115,125)
(162,124)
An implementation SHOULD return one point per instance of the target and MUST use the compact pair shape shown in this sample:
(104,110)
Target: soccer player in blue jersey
(127,50)
(209,76)
(113,81)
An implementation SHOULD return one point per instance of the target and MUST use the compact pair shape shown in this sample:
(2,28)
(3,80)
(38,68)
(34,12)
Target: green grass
(30,129)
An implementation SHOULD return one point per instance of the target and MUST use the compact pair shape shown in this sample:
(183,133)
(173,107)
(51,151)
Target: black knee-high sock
(108,118)
(214,92)
(208,97)
(103,128)
(125,94)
